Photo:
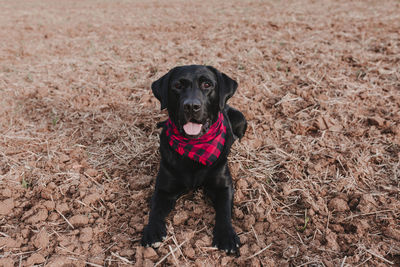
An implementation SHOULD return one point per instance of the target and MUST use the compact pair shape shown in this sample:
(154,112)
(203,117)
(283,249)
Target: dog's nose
(191,105)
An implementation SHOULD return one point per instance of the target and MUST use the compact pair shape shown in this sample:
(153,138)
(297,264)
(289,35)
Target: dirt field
(317,176)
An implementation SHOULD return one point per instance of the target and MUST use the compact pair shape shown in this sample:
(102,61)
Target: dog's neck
(206,149)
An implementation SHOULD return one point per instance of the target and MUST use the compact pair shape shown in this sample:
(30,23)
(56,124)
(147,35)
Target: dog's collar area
(206,149)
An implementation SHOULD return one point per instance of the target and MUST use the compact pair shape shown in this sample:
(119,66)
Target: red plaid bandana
(205,149)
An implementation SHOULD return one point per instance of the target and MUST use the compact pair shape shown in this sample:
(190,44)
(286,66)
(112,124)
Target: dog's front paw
(226,239)
(153,233)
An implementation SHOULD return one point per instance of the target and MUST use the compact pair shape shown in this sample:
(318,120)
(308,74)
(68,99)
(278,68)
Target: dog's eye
(206,85)
(178,85)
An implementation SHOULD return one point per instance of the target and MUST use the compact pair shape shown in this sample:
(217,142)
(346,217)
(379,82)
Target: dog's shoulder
(237,121)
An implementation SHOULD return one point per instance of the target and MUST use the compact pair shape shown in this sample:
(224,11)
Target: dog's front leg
(225,237)
(163,201)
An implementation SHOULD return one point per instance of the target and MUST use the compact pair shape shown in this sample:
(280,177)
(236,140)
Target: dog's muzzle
(192,109)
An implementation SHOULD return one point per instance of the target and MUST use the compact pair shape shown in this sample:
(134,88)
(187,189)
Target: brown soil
(316,176)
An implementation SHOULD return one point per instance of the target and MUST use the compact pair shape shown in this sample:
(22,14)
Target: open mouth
(194,129)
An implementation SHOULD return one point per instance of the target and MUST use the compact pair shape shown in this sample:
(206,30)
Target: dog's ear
(160,89)
(226,86)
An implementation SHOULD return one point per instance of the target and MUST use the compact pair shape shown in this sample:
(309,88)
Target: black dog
(194,145)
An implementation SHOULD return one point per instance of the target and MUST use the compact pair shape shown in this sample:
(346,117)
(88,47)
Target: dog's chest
(191,177)
(189,173)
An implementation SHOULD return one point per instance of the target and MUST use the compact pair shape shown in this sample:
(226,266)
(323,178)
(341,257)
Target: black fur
(209,89)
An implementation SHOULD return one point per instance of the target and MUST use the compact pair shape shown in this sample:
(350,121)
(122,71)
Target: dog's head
(193,96)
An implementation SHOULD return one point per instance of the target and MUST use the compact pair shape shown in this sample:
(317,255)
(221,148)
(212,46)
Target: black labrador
(194,146)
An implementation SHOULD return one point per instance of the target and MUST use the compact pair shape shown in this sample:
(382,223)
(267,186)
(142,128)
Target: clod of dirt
(50,205)
(189,252)
(35,258)
(255,248)
(309,202)
(269,262)
(180,217)
(238,213)
(92,198)
(6,193)
(150,253)
(290,252)
(53,216)
(6,206)
(96,249)
(362,227)
(41,240)
(331,239)
(326,122)
(242,184)
(225,261)
(9,242)
(79,220)
(140,182)
(367,203)
(249,222)
(198,210)
(64,158)
(244,250)
(86,234)
(260,227)
(391,232)
(127,252)
(98,254)
(376,120)
(46,193)
(255,262)
(139,255)
(286,189)
(198,263)
(239,196)
(25,232)
(62,208)
(91,172)
(61,261)
(338,204)
(6,262)
(40,216)
(148,263)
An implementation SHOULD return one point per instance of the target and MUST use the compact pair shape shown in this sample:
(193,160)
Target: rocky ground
(316,176)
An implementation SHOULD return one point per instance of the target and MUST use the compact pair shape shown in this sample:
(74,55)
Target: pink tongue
(191,128)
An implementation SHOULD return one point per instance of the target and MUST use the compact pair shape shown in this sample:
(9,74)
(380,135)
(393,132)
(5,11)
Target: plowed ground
(316,176)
